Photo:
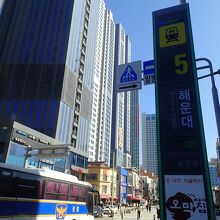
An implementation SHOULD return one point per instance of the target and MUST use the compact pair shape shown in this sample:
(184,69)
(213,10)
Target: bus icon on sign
(172,34)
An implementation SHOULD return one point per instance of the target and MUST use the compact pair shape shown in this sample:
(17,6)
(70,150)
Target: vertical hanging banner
(185,191)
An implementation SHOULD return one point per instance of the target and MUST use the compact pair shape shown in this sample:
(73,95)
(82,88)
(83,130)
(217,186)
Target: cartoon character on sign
(172,34)
(61,210)
(181,206)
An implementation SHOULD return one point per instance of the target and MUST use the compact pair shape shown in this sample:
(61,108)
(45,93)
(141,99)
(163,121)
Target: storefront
(133,200)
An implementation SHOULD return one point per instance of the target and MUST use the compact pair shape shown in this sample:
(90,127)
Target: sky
(136,18)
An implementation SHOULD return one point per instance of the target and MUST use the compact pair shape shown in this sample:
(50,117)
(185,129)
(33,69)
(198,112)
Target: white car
(107,209)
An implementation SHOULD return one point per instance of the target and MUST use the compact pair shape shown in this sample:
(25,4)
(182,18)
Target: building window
(92,176)
(104,189)
(105,177)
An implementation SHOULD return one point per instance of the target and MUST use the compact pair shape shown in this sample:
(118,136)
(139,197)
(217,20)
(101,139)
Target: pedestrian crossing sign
(128,75)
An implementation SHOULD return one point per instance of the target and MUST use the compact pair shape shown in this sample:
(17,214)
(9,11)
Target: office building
(46,83)
(56,77)
(149,143)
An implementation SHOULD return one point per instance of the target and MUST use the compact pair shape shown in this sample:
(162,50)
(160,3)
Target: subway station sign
(183,170)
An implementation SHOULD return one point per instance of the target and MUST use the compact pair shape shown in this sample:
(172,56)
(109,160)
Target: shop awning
(104,196)
(114,197)
(134,198)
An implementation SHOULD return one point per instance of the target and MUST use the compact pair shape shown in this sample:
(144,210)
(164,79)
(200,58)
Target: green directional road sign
(185,191)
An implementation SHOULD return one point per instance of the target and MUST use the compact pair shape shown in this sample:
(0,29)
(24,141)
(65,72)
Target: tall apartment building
(100,130)
(132,124)
(135,127)
(46,80)
(111,42)
(127,111)
(120,142)
(149,143)
(104,137)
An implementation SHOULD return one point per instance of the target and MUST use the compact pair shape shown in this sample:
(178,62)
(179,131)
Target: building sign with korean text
(185,196)
(181,145)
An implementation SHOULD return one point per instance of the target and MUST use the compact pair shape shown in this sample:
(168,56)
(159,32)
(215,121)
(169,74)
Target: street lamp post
(214,90)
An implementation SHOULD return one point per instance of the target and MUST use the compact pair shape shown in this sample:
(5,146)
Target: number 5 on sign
(181,64)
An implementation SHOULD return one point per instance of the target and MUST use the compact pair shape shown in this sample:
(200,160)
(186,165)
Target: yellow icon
(171,35)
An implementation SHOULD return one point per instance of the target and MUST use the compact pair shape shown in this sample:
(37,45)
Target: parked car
(107,209)
(98,212)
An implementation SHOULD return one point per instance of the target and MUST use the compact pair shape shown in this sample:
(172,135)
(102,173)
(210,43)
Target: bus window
(82,191)
(74,190)
(56,187)
(28,185)
(56,190)
(7,187)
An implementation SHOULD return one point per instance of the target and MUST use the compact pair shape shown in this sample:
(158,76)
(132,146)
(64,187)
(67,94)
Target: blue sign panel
(148,67)
(129,75)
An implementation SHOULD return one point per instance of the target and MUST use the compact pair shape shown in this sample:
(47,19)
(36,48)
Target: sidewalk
(145,215)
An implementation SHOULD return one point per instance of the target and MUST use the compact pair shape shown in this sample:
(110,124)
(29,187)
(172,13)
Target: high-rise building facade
(120,141)
(100,130)
(131,126)
(46,83)
(104,125)
(98,37)
(57,61)
(127,111)
(135,127)
(149,143)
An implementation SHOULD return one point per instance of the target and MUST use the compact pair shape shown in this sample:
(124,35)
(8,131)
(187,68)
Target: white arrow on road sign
(128,76)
